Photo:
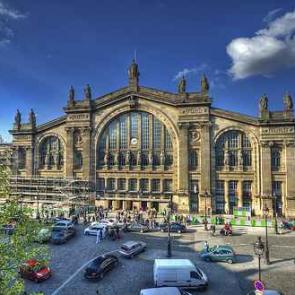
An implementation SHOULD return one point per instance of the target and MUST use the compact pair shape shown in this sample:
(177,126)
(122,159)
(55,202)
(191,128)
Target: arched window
(135,139)
(233,148)
(51,153)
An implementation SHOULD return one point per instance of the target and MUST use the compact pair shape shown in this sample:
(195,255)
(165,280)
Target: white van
(164,291)
(178,273)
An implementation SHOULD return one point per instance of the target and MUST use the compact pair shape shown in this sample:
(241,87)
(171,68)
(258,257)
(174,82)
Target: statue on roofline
(133,72)
(288,102)
(263,103)
(204,84)
(71,97)
(32,118)
(17,119)
(182,85)
(87,92)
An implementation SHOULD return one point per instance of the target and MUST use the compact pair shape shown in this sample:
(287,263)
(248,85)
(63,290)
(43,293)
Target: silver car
(132,248)
(137,227)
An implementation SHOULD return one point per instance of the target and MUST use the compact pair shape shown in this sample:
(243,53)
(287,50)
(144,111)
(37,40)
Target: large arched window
(135,139)
(233,148)
(51,153)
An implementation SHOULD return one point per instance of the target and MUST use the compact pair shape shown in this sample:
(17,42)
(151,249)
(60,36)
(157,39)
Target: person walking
(98,237)
(206,246)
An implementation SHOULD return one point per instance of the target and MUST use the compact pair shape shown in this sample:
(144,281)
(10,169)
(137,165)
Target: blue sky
(246,48)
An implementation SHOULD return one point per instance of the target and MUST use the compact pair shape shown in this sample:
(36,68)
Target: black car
(100,266)
(60,236)
(174,227)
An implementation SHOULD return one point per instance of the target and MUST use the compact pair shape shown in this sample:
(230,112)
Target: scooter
(226,231)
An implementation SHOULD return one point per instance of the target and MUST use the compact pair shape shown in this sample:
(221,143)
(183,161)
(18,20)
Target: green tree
(18,247)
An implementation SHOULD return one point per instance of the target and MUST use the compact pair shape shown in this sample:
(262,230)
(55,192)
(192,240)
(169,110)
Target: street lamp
(265,211)
(169,252)
(258,250)
(205,220)
(275,213)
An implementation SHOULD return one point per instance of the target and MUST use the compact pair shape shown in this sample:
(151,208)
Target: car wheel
(207,259)
(141,230)
(36,280)
(229,261)
(179,231)
(162,230)
(101,275)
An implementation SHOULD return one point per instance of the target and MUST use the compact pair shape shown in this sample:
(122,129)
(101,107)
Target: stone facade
(218,159)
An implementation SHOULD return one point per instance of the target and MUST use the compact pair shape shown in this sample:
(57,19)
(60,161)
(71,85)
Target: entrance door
(144,205)
(155,205)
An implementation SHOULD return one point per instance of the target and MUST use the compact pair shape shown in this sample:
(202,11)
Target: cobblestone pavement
(132,275)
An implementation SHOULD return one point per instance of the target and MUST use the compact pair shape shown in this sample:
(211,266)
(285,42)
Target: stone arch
(39,143)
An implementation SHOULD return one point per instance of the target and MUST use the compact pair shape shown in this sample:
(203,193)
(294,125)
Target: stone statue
(133,70)
(226,157)
(117,158)
(128,158)
(182,85)
(106,159)
(240,158)
(288,102)
(18,119)
(162,158)
(263,103)
(204,84)
(56,158)
(150,158)
(138,160)
(87,92)
(32,118)
(71,97)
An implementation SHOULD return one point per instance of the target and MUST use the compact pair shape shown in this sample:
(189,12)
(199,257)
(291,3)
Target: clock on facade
(133,141)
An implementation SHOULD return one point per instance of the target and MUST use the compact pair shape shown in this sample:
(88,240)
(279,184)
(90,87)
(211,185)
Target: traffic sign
(259,286)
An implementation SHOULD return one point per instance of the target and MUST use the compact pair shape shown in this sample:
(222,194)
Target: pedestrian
(117,232)
(206,246)
(103,232)
(97,237)
(100,234)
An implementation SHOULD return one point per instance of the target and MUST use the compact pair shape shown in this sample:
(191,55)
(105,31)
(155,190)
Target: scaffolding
(50,194)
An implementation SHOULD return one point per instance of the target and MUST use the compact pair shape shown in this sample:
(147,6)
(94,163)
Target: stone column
(266,179)
(69,152)
(226,197)
(289,202)
(183,183)
(29,161)
(87,153)
(240,193)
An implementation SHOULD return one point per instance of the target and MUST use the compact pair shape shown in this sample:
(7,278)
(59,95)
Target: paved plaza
(133,275)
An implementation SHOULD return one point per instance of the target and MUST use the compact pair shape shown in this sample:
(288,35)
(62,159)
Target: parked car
(43,235)
(219,253)
(132,248)
(60,236)
(100,266)
(178,273)
(35,271)
(108,222)
(65,224)
(137,227)
(93,229)
(174,227)
(266,292)
(164,291)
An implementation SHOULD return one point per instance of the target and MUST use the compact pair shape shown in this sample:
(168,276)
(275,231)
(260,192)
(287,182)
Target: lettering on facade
(275,130)
(78,117)
(197,110)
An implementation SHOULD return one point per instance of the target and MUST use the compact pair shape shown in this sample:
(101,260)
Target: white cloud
(269,17)
(187,71)
(7,15)
(272,49)
(8,12)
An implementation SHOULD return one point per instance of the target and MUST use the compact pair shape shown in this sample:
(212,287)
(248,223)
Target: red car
(35,271)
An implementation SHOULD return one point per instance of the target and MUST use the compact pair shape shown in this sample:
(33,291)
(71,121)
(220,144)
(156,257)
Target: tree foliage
(18,247)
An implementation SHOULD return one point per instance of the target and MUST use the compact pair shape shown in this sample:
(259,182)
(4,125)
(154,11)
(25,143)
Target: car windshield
(212,249)
(125,248)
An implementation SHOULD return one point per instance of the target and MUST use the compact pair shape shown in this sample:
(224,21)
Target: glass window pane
(123,132)
(157,134)
(134,125)
(145,131)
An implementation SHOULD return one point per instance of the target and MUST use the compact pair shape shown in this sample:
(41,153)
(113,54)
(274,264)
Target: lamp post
(205,220)
(169,252)
(275,213)
(258,250)
(265,211)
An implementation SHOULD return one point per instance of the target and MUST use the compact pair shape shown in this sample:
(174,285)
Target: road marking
(77,271)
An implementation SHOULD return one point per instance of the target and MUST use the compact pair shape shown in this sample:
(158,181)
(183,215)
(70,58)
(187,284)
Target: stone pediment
(151,94)
(234,116)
